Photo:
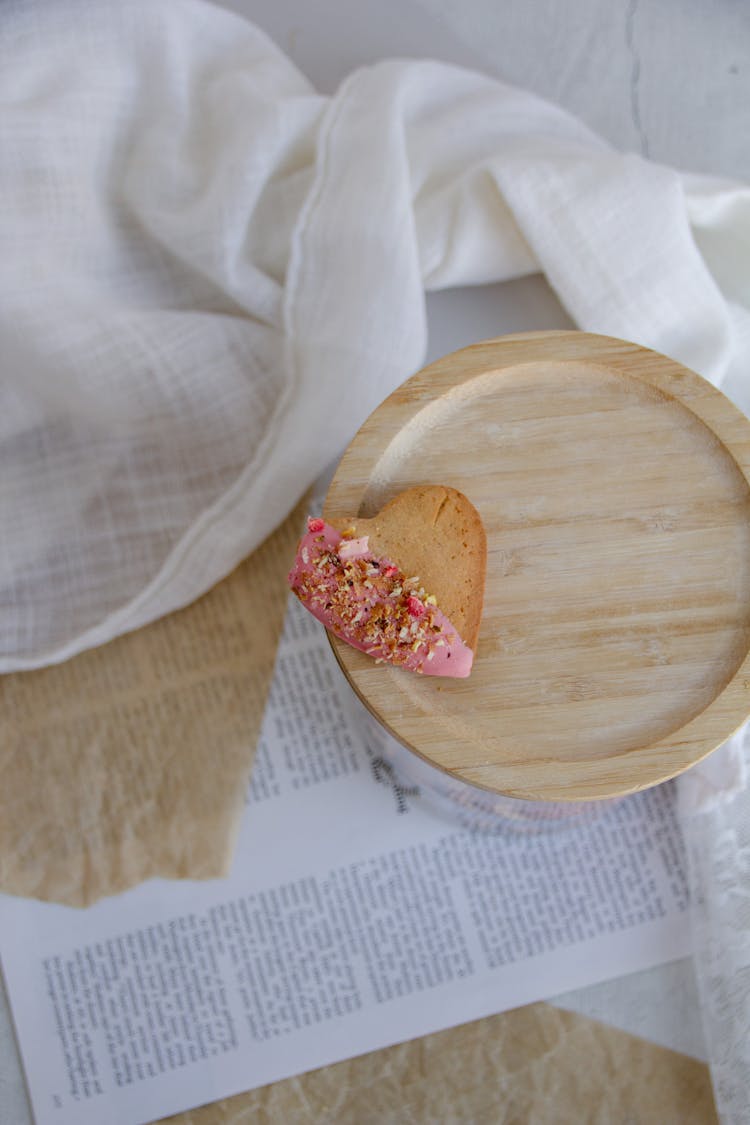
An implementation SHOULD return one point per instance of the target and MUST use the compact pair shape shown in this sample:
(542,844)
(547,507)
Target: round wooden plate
(613,486)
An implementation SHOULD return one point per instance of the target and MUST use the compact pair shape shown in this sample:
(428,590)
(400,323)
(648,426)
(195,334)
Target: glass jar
(613,652)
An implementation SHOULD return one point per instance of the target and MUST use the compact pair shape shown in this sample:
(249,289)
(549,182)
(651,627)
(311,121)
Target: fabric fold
(211,275)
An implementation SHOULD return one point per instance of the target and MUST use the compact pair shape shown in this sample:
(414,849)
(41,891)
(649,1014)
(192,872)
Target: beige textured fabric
(536,1064)
(131,761)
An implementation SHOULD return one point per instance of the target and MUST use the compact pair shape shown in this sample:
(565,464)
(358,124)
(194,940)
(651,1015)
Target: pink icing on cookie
(369,603)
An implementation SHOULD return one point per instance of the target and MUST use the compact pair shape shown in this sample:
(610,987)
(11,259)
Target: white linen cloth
(717,842)
(210,274)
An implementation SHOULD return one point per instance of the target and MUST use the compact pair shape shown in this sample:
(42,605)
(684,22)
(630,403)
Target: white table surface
(669,79)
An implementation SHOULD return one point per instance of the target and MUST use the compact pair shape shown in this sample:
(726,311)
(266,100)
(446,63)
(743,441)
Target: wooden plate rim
(626,771)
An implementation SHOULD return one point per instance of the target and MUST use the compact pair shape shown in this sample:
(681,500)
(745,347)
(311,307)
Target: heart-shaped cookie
(405,586)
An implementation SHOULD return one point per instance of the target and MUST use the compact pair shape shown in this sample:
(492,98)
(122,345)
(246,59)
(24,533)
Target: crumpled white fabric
(717,842)
(210,274)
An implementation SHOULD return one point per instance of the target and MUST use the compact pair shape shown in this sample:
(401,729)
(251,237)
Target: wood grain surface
(613,485)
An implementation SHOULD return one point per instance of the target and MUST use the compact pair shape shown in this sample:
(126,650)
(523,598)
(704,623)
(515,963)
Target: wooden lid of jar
(613,486)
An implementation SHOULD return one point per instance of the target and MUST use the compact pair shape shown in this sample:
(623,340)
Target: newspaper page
(355,916)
